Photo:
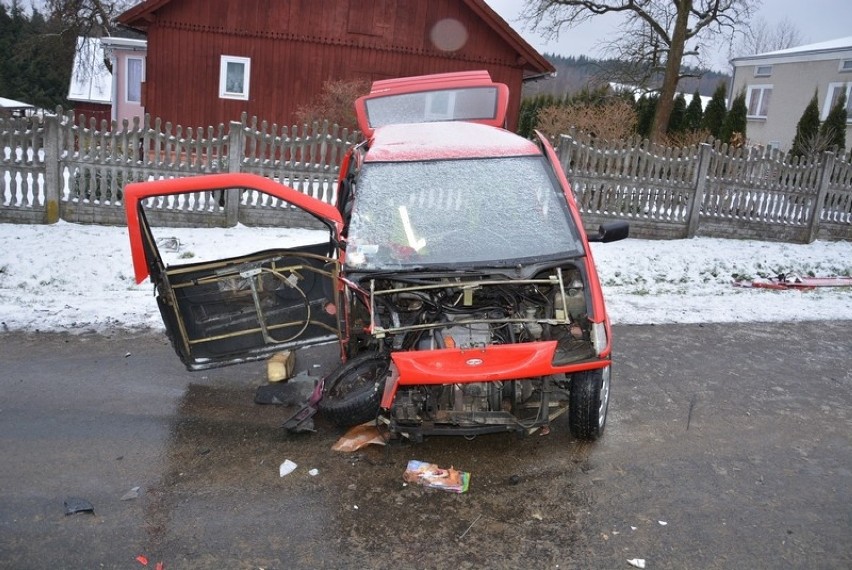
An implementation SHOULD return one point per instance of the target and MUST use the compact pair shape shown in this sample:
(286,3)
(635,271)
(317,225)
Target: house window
(762,70)
(234,73)
(834,92)
(845,65)
(757,101)
(133,91)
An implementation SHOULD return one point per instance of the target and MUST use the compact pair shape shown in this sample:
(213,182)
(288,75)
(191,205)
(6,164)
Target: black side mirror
(612,231)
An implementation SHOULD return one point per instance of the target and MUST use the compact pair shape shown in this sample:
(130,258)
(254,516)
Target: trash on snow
(432,476)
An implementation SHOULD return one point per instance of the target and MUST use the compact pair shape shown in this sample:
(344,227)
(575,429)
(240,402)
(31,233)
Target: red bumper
(487,364)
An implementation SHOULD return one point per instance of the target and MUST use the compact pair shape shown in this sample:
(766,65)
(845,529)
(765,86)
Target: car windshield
(475,212)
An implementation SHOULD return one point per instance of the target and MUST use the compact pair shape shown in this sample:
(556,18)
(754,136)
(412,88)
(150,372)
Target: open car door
(242,308)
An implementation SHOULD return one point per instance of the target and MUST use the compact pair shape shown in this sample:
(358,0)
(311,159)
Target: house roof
(534,64)
(831,49)
(14,105)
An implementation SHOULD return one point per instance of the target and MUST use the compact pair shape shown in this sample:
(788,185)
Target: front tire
(588,403)
(352,393)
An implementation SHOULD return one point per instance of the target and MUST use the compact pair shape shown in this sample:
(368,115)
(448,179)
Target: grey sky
(816,20)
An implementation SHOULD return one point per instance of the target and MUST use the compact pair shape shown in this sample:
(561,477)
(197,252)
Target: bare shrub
(687,138)
(613,120)
(335,103)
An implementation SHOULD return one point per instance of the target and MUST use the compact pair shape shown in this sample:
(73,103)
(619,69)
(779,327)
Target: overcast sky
(816,20)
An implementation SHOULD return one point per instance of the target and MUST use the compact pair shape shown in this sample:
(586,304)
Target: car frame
(457,277)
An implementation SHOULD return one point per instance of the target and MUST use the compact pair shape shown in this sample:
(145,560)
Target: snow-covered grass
(68,277)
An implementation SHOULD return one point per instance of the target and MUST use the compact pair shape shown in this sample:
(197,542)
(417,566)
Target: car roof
(445,140)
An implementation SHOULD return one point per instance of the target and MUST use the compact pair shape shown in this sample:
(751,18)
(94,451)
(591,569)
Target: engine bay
(470,312)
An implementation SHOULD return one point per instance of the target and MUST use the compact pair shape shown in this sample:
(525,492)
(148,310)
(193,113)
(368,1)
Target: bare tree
(657,33)
(90,18)
(761,37)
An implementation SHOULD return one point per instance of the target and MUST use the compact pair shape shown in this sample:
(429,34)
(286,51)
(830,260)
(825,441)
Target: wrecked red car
(456,277)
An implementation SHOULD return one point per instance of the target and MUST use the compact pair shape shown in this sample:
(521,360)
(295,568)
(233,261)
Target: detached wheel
(588,403)
(352,393)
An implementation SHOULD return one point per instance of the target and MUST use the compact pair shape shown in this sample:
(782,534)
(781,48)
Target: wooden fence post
(824,181)
(704,155)
(52,179)
(236,150)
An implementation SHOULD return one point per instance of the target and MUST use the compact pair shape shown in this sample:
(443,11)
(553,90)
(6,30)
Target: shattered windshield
(469,212)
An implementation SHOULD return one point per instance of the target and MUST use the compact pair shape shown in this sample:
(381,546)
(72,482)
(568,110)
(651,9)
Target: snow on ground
(79,278)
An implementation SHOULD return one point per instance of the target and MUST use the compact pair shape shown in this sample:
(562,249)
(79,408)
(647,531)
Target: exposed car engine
(422,312)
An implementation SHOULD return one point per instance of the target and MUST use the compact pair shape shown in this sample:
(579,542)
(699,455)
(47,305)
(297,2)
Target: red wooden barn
(211,60)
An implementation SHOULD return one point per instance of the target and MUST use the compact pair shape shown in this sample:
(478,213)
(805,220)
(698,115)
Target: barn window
(133,93)
(234,73)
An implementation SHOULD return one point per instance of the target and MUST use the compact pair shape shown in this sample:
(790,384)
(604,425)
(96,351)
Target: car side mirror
(612,231)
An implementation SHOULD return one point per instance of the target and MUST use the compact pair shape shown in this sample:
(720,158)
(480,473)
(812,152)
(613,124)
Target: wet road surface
(728,446)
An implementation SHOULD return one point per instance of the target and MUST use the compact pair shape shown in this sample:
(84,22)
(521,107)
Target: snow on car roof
(443,140)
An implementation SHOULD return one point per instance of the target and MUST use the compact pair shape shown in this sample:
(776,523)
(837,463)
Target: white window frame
(141,61)
(761,93)
(845,66)
(762,70)
(829,99)
(232,91)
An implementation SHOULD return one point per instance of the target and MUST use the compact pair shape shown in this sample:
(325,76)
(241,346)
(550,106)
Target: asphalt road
(728,446)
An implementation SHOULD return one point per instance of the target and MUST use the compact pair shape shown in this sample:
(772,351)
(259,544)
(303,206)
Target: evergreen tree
(714,114)
(694,114)
(807,130)
(735,119)
(676,119)
(833,130)
(646,107)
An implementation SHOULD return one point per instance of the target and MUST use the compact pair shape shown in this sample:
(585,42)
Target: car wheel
(352,393)
(588,403)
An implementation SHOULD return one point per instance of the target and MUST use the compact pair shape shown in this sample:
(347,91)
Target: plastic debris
(358,437)
(133,493)
(434,477)
(74,505)
(142,559)
(637,562)
(662,523)
(286,468)
(313,472)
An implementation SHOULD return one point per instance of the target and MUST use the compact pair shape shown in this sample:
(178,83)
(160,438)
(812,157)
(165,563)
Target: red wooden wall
(296,45)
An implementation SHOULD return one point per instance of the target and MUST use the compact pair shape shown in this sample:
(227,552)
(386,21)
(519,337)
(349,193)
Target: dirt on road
(728,446)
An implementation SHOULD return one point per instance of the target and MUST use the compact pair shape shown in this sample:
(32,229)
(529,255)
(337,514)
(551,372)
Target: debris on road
(280,366)
(662,523)
(434,477)
(286,468)
(637,562)
(74,505)
(133,493)
(360,436)
(313,472)
(470,527)
(293,392)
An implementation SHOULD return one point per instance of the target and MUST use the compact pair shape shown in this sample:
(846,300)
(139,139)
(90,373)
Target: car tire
(352,393)
(588,403)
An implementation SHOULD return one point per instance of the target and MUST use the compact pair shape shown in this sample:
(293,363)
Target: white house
(780,84)
(102,94)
